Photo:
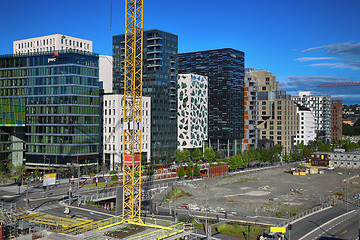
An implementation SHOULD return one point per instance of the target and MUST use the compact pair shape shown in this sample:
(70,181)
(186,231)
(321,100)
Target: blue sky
(304,43)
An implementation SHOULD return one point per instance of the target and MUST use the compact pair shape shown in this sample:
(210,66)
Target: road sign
(49,179)
(278,229)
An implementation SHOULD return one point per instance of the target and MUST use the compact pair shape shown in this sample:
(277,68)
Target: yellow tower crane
(132,111)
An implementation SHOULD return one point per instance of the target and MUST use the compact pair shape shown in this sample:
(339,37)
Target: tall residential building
(113,114)
(336,119)
(320,106)
(50,108)
(159,82)
(192,111)
(251,133)
(306,130)
(225,71)
(50,43)
(277,118)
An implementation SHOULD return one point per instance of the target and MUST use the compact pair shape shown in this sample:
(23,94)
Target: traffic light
(290,227)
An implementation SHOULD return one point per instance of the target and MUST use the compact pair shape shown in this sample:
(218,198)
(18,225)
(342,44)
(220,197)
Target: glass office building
(225,71)
(159,82)
(50,104)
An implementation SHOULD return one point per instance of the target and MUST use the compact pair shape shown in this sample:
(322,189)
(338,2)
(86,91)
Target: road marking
(314,230)
(342,233)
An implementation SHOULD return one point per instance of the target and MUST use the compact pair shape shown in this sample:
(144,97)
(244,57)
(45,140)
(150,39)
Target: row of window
(64,129)
(112,147)
(62,149)
(37,43)
(75,43)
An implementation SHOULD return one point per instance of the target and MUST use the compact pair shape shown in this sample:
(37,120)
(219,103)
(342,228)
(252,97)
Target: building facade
(251,133)
(106,73)
(50,107)
(159,83)
(50,43)
(277,118)
(306,130)
(225,71)
(113,113)
(320,106)
(192,111)
(336,120)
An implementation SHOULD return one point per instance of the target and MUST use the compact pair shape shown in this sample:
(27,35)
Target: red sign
(129,160)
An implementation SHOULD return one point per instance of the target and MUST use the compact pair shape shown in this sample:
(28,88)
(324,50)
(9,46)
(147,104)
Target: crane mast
(132,134)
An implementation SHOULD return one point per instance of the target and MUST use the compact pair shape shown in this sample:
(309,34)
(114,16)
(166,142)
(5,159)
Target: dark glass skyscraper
(50,102)
(225,71)
(159,82)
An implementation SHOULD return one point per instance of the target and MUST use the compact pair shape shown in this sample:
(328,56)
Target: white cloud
(347,52)
(302,59)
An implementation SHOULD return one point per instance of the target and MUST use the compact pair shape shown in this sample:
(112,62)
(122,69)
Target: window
(263,88)
(279,127)
(113,111)
(105,111)
(105,103)
(109,120)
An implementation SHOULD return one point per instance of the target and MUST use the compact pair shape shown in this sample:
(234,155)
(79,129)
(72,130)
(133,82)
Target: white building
(113,117)
(306,130)
(192,110)
(106,73)
(251,133)
(320,106)
(50,43)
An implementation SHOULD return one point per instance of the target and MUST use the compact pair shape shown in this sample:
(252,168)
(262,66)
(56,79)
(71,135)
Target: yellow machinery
(132,111)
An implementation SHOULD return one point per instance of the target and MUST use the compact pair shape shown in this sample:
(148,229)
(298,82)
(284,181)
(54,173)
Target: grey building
(159,82)
(225,71)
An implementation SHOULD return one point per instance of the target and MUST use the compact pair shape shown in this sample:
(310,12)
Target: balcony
(151,38)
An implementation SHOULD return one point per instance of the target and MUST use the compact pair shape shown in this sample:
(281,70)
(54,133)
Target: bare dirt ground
(270,192)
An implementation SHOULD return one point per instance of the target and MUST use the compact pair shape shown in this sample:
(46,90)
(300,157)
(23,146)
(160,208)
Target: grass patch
(99,184)
(235,230)
(284,212)
(179,194)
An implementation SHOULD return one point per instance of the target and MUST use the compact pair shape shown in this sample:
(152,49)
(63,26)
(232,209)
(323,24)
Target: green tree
(189,172)
(181,172)
(113,172)
(209,154)
(143,159)
(2,167)
(196,170)
(92,175)
(20,169)
(114,178)
(177,155)
(37,172)
(185,155)
(219,162)
(196,154)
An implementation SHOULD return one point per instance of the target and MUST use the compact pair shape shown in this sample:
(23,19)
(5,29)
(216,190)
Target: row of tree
(189,171)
